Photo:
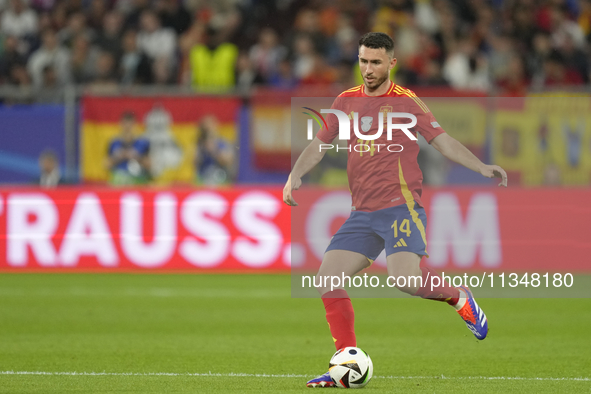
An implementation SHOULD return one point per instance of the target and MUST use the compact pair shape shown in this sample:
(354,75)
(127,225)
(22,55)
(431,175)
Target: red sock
(340,318)
(444,292)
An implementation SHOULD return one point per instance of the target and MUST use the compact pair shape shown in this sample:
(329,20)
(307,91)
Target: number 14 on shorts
(404,227)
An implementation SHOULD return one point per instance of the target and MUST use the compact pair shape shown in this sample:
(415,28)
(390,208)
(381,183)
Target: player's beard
(376,83)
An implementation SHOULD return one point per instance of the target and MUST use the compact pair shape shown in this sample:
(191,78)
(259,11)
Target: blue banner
(25,132)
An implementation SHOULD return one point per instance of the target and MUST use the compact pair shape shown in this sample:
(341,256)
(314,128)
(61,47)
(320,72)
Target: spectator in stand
(49,168)
(134,66)
(174,15)
(584,19)
(321,73)
(420,67)
(213,66)
(105,78)
(109,37)
(448,35)
(96,14)
(471,43)
(157,43)
(391,15)
(129,156)
(266,54)
(59,16)
(542,48)
(50,91)
(224,17)
(563,27)
(191,38)
(153,39)
(515,82)
(556,74)
(502,50)
(307,23)
(50,54)
(343,45)
(76,28)
(10,57)
(49,81)
(430,75)
(283,78)
(523,25)
(426,17)
(465,69)
(246,74)
(214,156)
(303,57)
(161,72)
(45,23)
(125,7)
(74,6)
(19,20)
(19,76)
(575,59)
(134,10)
(84,59)
(42,5)
(343,75)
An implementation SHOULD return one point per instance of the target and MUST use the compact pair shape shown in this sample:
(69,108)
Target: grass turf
(197,324)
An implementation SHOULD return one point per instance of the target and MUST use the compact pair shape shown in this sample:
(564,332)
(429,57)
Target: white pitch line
(231,374)
(581,379)
(262,375)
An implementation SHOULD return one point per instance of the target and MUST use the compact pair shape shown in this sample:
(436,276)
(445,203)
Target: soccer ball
(350,367)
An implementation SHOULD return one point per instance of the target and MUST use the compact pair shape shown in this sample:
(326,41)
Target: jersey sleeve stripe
(391,88)
(421,104)
(418,100)
(413,96)
(410,203)
(354,89)
(401,91)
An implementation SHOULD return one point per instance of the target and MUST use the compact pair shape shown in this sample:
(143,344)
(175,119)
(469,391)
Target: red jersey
(384,172)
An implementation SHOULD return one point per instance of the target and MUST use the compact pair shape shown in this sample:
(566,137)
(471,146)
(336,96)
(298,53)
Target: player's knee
(405,281)
(324,282)
(320,283)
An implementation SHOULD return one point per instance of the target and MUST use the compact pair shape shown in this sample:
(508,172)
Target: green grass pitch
(149,333)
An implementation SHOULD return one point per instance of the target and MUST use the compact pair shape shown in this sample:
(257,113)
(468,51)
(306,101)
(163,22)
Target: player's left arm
(455,151)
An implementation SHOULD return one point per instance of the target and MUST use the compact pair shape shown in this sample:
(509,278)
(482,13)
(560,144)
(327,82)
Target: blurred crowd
(497,46)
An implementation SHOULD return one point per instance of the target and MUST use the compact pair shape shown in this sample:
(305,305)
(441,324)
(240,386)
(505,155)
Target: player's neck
(380,90)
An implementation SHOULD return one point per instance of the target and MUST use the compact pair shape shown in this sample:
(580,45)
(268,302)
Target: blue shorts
(398,229)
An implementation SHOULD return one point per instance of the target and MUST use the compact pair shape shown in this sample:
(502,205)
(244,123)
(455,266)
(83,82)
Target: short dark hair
(377,41)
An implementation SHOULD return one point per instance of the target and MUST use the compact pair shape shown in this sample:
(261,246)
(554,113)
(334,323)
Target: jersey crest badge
(366,122)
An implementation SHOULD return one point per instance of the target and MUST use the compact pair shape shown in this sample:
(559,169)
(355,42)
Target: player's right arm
(307,160)
(454,150)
